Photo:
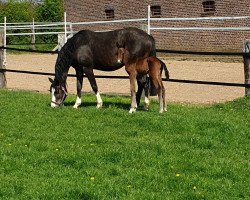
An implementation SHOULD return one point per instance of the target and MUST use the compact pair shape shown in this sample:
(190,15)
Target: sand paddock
(175,92)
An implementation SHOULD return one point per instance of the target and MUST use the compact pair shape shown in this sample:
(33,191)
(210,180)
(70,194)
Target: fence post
(65,27)
(149,13)
(246,59)
(2,65)
(33,36)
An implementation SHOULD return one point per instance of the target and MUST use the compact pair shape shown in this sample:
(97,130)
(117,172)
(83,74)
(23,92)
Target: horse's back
(101,47)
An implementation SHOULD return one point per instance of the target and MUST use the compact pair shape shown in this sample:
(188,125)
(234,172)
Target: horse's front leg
(133,84)
(79,81)
(91,77)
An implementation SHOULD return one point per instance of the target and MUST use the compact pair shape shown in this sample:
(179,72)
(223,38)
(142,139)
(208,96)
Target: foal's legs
(156,79)
(133,83)
(90,74)
(79,76)
(143,83)
(164,97)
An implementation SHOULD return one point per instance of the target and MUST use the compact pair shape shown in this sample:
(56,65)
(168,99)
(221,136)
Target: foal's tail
(153,48)
(164,67)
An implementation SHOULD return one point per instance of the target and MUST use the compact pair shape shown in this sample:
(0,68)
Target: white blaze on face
(53,98)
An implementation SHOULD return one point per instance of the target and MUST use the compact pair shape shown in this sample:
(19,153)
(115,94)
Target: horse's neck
(61,73)
(63,63)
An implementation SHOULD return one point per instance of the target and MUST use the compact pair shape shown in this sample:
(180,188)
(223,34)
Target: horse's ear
(51,80)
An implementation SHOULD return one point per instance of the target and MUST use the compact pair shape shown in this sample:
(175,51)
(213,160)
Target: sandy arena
(175,92)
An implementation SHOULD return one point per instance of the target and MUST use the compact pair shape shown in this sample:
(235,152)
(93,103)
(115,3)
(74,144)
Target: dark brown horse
(145,65)
(88,50)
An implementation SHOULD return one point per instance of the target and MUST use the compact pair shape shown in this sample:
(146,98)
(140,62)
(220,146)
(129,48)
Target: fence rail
(126,77)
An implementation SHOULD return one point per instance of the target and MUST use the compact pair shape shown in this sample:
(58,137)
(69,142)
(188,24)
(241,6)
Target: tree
(50,11)
(17,11)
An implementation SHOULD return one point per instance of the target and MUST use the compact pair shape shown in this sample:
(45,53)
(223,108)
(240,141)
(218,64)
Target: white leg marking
(99,100)
(146,103)
(78,102)
(132,110)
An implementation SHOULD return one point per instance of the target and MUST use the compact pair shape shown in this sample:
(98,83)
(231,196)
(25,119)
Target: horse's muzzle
(54,104)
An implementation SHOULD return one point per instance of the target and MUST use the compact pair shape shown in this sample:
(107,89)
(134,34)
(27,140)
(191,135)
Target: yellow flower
(194,187)
(92,178)
(177,174)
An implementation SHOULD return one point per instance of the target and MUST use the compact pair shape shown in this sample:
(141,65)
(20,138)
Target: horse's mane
(64,61)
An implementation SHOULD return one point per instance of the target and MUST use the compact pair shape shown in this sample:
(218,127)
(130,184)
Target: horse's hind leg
(79,81)
(160,96)
(90,74)
(164,98)
(159,88)
(143,84)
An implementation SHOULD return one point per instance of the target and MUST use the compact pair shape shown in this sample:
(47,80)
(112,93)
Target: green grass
(190,152)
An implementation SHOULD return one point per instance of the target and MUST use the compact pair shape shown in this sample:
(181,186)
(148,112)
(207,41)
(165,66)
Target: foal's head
(58,93)
(120,53)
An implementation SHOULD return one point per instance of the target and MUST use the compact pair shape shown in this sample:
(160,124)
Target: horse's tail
(152,89)
(164,67)
(153,49)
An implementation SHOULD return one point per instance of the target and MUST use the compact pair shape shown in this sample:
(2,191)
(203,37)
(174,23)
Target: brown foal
(149,65)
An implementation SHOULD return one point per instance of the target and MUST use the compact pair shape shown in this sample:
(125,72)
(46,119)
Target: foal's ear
(51,80)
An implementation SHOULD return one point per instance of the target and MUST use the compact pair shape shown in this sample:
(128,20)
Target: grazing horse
(149,65)
(88,50)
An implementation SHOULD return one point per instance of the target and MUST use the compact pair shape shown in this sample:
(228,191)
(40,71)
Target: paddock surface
(175,92)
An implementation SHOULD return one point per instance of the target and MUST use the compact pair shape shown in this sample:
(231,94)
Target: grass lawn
(190,152)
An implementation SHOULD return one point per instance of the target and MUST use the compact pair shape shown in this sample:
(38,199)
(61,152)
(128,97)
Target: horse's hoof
(132,110)
(99,105)
(163,110)
(76,106)
(146,106)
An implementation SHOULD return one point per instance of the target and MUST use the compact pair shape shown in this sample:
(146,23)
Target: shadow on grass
(106,104)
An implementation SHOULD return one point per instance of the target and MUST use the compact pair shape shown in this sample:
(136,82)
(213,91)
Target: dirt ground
(175,92)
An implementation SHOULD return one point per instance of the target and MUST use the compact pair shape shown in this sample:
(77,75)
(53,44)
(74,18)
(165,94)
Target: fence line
(199,18)
(201,28)
(126,77)
(157,50)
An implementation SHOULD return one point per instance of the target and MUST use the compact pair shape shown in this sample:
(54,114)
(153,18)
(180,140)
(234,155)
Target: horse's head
(58,93)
